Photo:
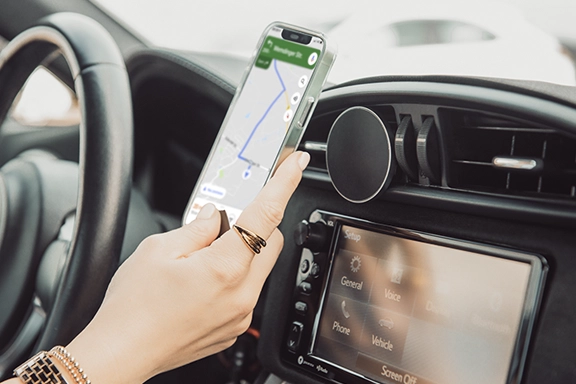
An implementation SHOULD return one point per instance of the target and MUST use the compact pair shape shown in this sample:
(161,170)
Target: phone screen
(254,130)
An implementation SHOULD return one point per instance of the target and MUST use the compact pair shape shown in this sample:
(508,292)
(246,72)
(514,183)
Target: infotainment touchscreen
(397,310)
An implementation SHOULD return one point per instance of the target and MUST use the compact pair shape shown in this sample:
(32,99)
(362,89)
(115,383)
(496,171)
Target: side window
(44,100)
(3,42)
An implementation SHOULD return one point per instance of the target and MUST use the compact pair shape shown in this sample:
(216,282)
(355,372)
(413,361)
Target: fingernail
(206,212)
(303,160)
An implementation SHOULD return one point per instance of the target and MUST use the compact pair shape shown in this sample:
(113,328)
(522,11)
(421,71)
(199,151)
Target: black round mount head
(359,155)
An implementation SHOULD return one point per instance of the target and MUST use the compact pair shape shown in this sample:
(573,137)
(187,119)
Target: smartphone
(266,119)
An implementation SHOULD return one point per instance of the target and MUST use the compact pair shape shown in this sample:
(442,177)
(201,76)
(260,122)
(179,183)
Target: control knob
(311,235)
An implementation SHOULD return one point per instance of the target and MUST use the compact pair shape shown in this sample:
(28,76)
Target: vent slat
(472,162)
(478,138)
(514,129)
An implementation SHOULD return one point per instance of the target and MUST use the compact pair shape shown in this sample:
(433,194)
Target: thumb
(196,235)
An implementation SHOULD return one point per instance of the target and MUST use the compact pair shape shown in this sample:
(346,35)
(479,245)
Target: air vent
(492,154)
(316,135)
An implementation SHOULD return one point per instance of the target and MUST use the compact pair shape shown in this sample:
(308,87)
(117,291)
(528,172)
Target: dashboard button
(301,307)
(315,270)
(294,336)
(305,287)
(311,235)
(304,266)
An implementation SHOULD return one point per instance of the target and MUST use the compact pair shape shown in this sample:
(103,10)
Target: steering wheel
(51,284)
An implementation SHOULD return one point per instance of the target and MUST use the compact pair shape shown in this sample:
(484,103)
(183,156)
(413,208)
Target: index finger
(264,214)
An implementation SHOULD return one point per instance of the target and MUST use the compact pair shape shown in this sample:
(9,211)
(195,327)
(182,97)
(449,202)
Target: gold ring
(252,240)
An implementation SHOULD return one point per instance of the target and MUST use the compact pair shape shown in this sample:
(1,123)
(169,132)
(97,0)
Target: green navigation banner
(275,48)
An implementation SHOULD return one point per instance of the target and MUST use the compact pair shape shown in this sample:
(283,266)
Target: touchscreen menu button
(383,371)
(439,303)
(343,320)
(353,275)
(384,334)
(492,314)
(394,287)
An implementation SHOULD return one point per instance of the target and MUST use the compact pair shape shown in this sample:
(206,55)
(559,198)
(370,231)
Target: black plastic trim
(557,212)
(452,95)
(541,212)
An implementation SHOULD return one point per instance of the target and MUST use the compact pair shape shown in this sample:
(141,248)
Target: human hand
(184,295)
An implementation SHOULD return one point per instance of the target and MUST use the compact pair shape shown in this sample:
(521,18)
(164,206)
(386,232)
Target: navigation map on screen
(255,129)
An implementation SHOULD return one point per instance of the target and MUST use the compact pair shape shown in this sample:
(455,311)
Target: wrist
(110,357)
(56,366)
(68,366)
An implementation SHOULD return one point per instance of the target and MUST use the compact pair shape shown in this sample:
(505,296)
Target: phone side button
(307,108)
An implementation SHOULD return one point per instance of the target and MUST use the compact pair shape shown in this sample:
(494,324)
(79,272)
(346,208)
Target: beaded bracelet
(71,365)
(40,369)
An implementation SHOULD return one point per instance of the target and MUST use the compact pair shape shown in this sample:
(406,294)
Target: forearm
(182,295)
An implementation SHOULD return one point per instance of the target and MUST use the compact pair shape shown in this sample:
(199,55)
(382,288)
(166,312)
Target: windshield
(514,39)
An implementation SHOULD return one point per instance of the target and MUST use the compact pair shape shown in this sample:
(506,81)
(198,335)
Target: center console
(379,304)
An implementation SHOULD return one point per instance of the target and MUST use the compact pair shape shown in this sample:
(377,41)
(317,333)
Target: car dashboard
(440,250)
(446,184)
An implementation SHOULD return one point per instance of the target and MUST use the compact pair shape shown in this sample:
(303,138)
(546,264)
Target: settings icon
(355,264)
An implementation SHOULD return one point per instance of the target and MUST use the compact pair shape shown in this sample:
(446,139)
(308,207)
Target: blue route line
(264,116)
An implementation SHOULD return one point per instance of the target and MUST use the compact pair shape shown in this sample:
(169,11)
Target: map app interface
(255,129)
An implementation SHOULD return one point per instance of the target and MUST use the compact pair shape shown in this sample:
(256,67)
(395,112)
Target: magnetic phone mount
(359,155)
